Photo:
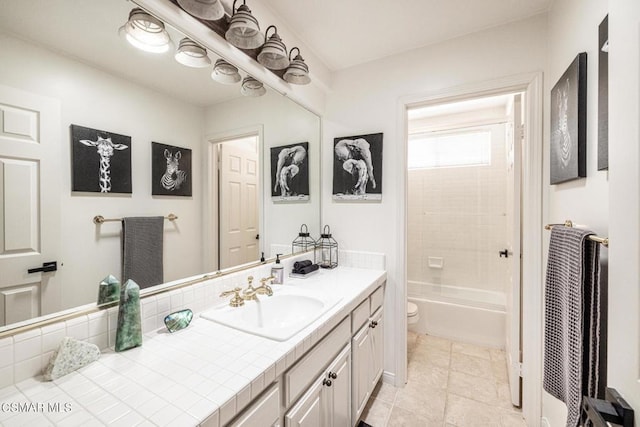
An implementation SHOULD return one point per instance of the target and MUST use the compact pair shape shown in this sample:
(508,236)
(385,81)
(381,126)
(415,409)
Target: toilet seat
(412,309)
(412,313)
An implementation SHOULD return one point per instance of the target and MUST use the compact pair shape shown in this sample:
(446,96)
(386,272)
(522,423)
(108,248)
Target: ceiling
(87,30)
(344,33)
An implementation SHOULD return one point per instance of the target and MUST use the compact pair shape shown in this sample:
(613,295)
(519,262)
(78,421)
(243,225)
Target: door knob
(326,382)
(333,375)
(46,267)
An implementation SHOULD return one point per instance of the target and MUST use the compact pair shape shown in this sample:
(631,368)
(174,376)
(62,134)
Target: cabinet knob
(373,324)
(333,375)
(326,382)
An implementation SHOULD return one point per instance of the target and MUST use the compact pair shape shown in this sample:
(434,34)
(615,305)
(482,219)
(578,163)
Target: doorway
(531,239)
(464,225)
(237,192)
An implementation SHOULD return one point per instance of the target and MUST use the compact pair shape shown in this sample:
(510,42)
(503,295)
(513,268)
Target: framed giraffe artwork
(101,161)
(170,170)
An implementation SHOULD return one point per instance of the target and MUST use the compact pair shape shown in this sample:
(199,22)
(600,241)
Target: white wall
(365,99)
(624,201)
(459,214)
(573,28)
(89,97)
(283,122)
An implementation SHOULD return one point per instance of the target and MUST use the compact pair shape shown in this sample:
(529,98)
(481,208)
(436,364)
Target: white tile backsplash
(78,328)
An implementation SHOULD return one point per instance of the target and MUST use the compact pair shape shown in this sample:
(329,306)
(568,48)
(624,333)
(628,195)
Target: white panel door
(238,205)
(513,329)
(30,174)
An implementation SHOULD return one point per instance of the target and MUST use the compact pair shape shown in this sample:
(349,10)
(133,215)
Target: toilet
(412,313)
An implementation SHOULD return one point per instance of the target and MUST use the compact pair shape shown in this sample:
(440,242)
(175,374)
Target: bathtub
(462,314)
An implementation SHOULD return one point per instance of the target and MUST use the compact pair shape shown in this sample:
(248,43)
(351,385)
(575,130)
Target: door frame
(210,189)
(532,204)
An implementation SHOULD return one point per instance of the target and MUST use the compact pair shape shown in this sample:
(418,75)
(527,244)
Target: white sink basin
(278,317)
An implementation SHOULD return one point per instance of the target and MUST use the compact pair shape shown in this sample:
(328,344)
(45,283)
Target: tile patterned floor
(451,384)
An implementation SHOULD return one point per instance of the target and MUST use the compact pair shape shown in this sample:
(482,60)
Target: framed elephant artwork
(290,172)
(101,161)
(357,167)
(171,173)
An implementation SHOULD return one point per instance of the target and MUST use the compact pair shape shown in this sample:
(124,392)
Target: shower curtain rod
(604,241)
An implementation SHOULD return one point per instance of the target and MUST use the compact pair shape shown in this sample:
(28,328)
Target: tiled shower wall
(459,214)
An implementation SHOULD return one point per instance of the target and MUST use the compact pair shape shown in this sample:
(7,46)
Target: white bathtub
(461,314)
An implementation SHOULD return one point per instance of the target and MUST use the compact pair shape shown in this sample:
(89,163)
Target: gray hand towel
(142,250)
(572,318)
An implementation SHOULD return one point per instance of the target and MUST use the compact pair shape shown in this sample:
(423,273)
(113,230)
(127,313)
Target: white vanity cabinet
(327,401)
(367,351)
(263,412)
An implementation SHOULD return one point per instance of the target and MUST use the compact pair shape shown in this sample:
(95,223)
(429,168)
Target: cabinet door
(264,411)
(339,372)
(360,358)
(310,409)
(377,348)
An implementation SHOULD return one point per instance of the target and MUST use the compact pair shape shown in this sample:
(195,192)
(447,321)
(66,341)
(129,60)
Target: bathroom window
(444,150)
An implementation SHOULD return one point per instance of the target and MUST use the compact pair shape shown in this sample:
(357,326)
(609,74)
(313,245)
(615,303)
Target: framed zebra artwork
(101,161)
(170,170)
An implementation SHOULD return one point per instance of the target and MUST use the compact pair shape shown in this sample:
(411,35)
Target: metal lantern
(326,250)
(303,242)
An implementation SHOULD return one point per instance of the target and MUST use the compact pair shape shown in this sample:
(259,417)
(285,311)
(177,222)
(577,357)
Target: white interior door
(238,204)
(513,328)
(30,199)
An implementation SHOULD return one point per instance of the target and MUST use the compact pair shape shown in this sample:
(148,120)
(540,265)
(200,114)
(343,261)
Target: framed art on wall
(170,170)
(568,149)
(603,94)
(357,167)
(290,172)
(101,161)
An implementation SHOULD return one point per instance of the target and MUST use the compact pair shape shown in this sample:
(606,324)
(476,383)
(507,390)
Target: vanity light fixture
(252,87)
(210,10)
(244,31)
(191,54)
(146,32)
(225,73)
(298,71)
(274,53)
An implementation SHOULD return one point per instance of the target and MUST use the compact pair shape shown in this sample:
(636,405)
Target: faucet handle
(237,300)
(264,280)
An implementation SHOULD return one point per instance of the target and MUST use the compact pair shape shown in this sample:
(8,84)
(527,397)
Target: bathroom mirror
(64,63)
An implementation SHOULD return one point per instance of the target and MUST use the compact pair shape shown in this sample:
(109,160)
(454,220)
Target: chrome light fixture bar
(252,87)
(225,73)
(210,10)
(146,32)
(274,53)
(298,71)
(191,54)
(244,31)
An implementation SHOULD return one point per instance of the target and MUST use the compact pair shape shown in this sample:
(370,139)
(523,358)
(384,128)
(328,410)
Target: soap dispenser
(277,271)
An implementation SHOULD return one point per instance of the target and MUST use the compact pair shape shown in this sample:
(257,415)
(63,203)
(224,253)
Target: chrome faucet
(250,293)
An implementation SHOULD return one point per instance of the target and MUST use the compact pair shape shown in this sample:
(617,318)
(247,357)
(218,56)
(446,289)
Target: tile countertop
(204,372)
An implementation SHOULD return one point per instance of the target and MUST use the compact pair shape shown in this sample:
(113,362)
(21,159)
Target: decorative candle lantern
(326,250)
(303,242)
